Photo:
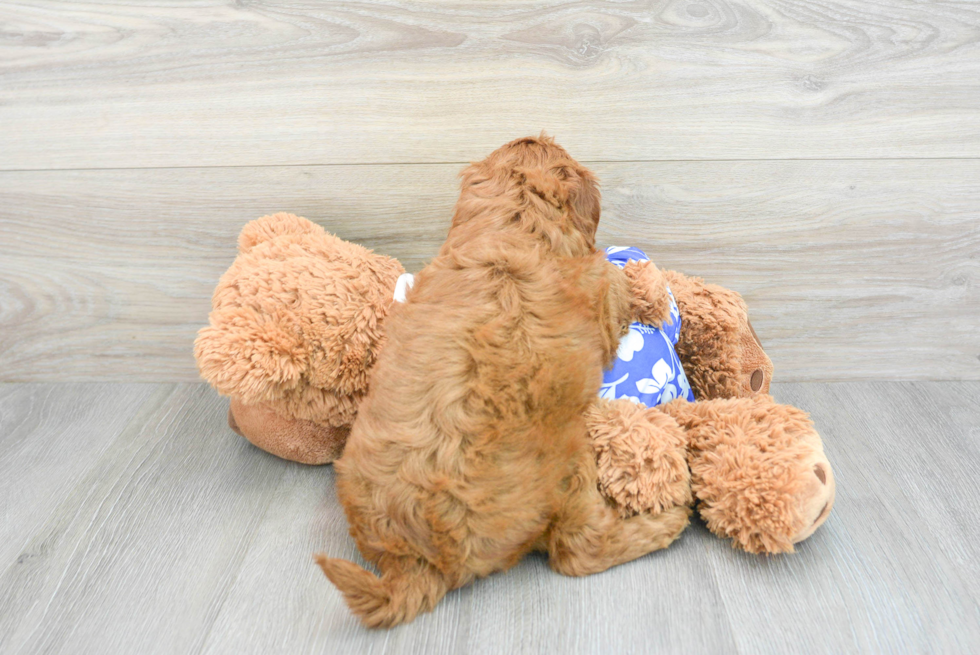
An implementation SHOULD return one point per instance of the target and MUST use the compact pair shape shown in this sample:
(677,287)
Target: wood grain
(852,270)
(126,84)
(50,437)
(529,609)
(139,556)
(178,536)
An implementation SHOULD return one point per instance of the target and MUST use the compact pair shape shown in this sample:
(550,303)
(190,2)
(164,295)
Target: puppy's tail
(402,593)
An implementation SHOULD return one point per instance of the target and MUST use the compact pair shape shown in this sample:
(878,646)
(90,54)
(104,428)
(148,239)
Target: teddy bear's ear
(249,355)
(270,227)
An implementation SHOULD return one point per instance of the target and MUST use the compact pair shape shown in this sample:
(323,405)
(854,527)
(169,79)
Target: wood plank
(139,557)
(124,84)
(50,436)
(852,270)
(183,538)
(528,609)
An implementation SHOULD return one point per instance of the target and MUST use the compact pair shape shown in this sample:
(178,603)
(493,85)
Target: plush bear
(296,325)
(298,321)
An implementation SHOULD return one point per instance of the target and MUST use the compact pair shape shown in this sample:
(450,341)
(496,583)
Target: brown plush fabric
(293,439)
(721,355)
(297,321)
(758,470)
(756,367)
(641,456)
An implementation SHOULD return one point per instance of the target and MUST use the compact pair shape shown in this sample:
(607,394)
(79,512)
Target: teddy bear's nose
(758,377)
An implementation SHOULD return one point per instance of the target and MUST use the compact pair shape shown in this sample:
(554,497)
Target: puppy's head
(532,185)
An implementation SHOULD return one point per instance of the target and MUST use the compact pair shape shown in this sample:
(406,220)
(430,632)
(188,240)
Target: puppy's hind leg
(407,587)
(589,536)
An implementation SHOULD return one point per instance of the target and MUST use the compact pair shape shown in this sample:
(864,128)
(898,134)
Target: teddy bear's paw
(641,457)
(650,302)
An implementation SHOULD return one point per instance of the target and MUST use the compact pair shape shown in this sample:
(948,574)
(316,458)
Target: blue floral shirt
(647,369)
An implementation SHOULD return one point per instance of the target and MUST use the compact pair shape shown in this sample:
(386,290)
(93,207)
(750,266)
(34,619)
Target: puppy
(471,448)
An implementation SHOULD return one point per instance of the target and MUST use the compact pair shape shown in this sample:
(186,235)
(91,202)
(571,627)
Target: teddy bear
(297,323)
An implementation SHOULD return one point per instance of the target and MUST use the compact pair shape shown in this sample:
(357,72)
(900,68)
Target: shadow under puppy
(471,447)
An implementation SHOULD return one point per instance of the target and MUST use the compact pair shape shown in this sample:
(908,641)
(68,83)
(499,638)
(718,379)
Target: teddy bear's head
(722,355)
(297,322)
(758,470)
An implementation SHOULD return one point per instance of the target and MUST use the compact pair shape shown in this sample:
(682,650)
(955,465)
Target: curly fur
(470,448)
(650,302)
(297,321)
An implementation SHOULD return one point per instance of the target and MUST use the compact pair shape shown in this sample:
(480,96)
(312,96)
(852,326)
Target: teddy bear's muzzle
(234,424)
(819,498)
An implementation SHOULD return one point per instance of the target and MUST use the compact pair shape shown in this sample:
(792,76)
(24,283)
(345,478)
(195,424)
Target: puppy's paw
(650,302)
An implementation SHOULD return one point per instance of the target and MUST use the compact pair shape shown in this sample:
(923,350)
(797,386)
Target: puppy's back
(463,436)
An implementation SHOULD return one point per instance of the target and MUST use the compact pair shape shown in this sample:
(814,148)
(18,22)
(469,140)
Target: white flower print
(630,344)
(675,313)
(685,386)
(608,389)
(662,373)
(612,250)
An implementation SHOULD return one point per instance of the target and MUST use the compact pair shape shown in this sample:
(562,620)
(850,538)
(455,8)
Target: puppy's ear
(472,175)
(585,200)
(569,188)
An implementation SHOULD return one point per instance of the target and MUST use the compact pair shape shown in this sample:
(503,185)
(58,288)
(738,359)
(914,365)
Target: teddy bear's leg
(758,471)
(293,439)
(721,354)
(590,536)
(641,456)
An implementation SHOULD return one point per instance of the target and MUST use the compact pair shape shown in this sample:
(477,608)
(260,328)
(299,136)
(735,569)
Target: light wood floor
(134,521)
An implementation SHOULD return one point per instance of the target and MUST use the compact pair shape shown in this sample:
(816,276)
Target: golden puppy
(471,448)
